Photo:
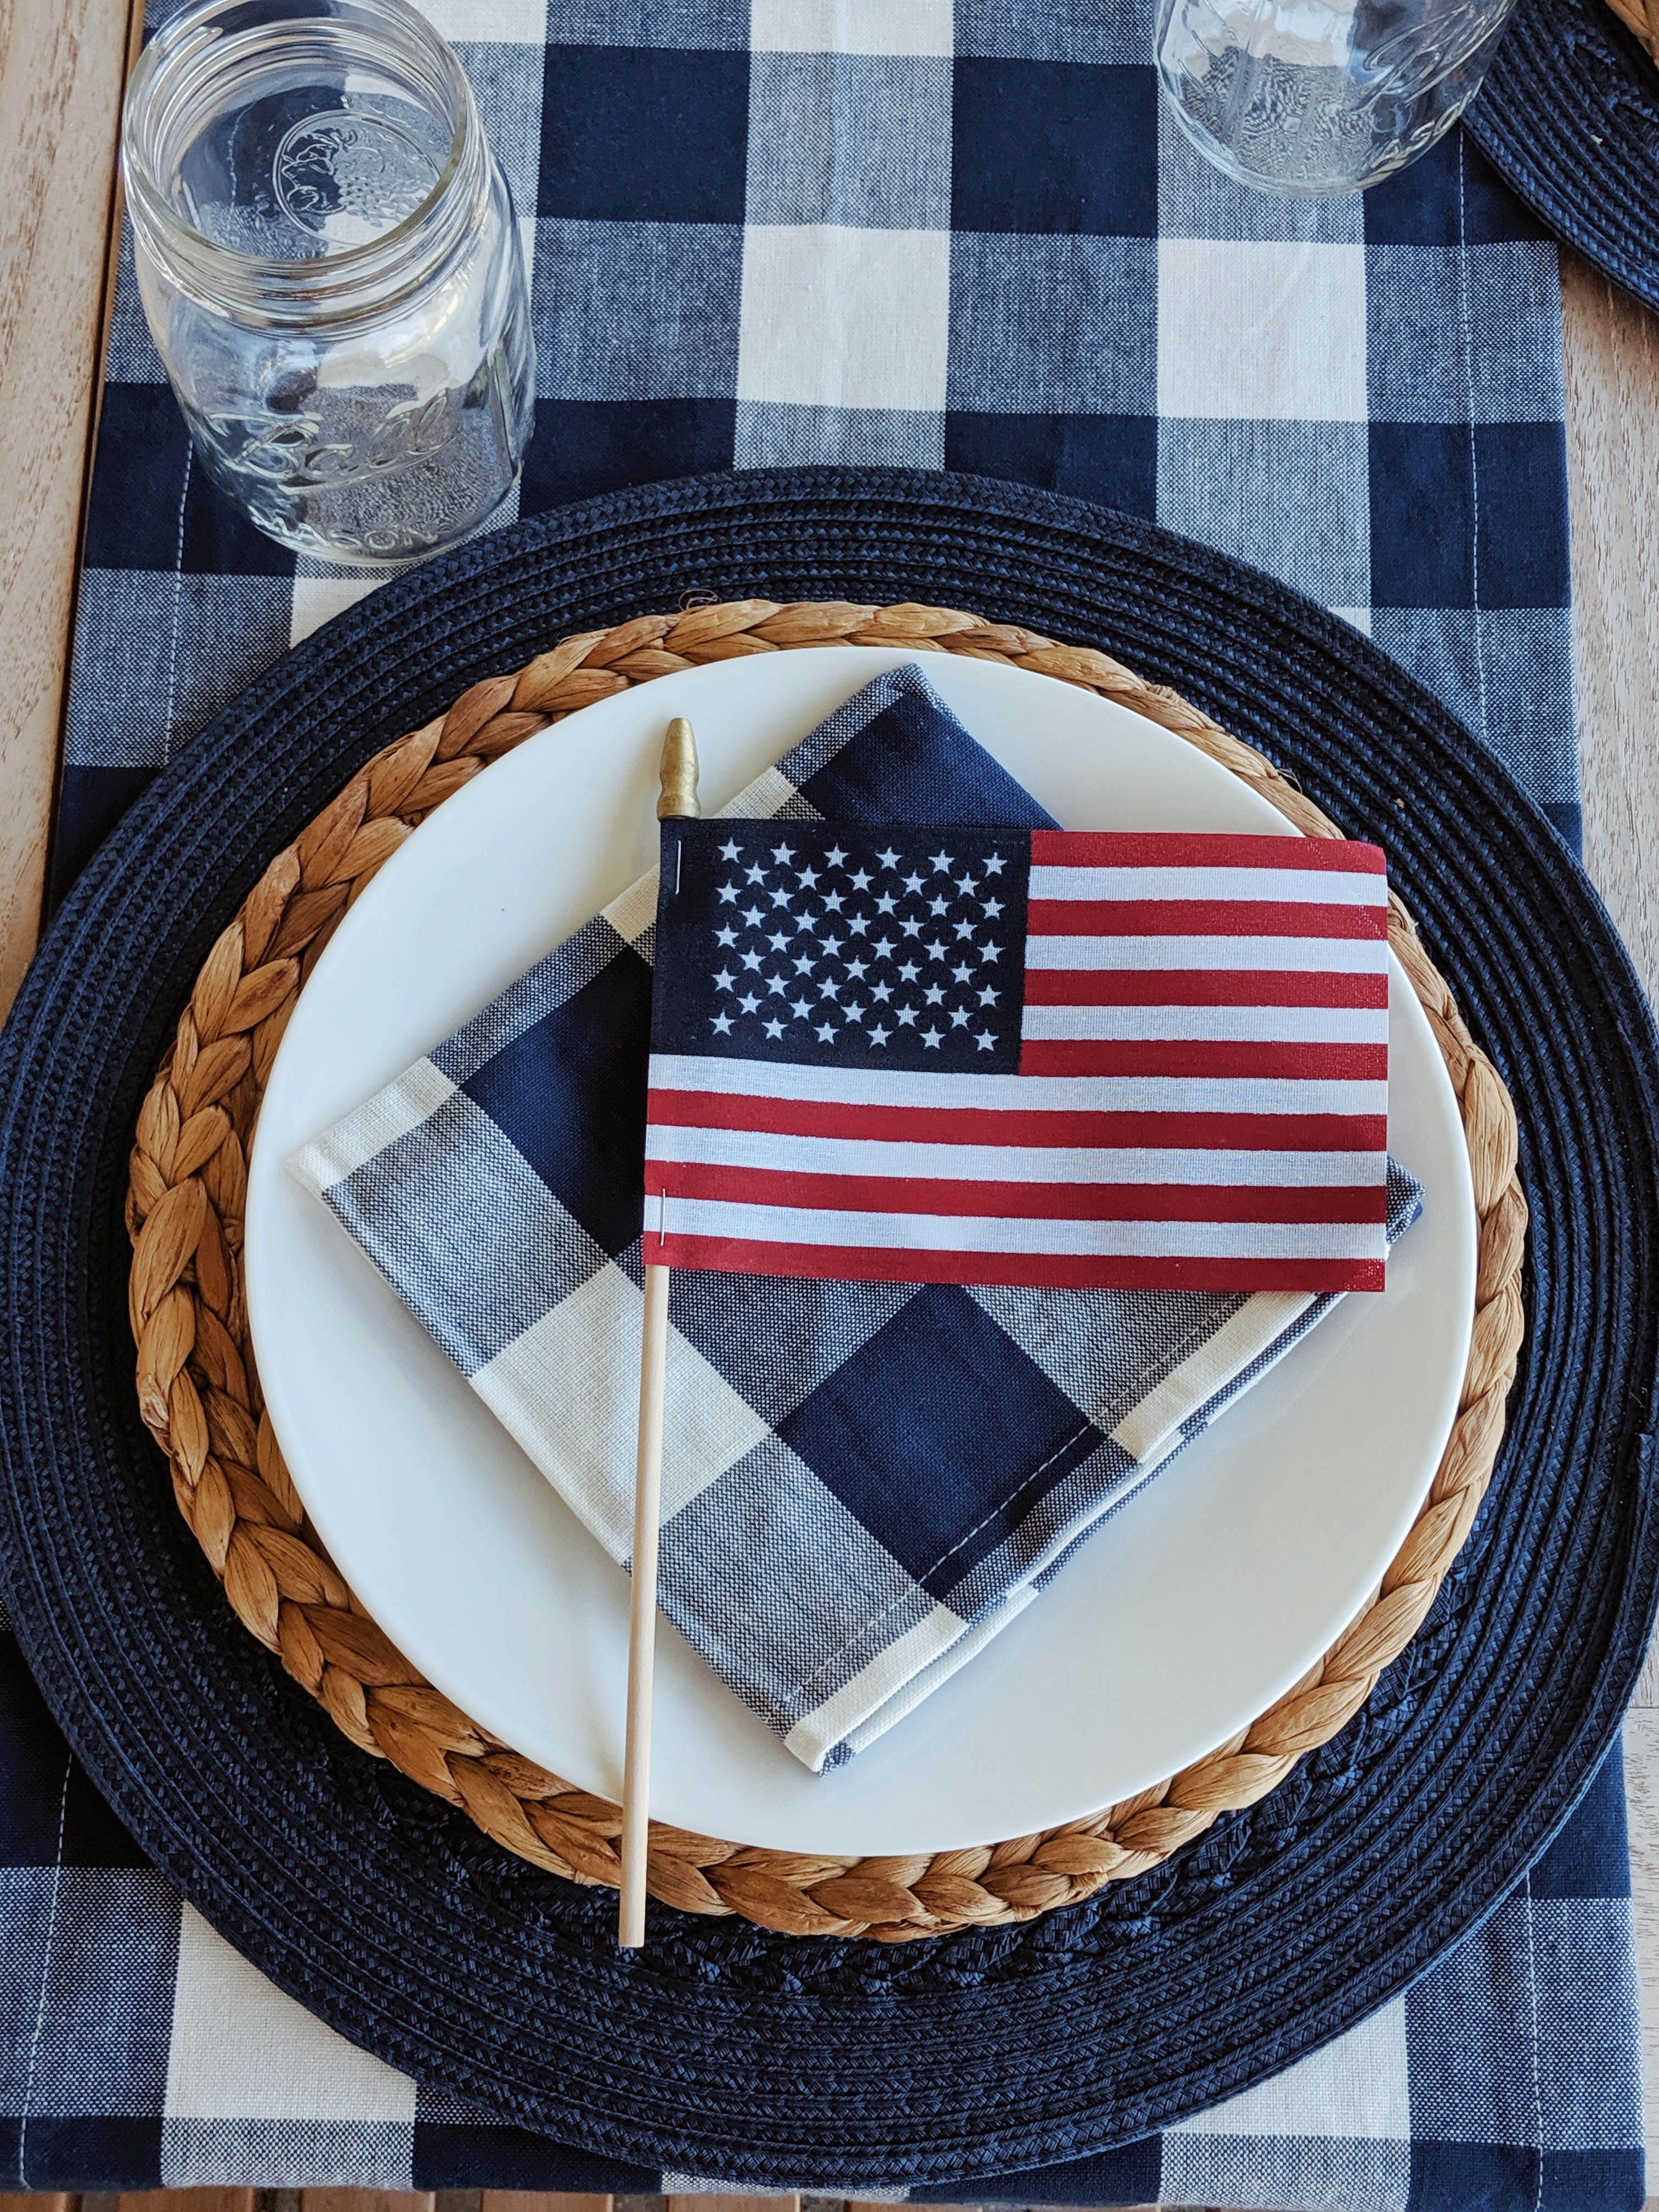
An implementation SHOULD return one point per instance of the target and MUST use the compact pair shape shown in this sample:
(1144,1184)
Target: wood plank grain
(188,2200)
(42,2202)
(526,2200)
(365,2200)
(734,2205)
(1612,361)
(62,67)
(1612,367)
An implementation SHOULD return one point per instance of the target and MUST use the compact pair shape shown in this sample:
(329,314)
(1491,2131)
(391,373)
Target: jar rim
(332,284)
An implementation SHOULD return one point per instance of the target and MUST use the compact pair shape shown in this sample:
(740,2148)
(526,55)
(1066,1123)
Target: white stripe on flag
(1214,1024)
(1074,1094)
(863,1156)
(1312,956)
(949,1232)
(1274,886)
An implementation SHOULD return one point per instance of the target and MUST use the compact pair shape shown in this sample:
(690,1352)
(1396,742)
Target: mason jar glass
(1315,97)
(330,268)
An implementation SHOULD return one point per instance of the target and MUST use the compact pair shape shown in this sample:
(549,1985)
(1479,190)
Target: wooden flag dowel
(678,798)
(643,1616)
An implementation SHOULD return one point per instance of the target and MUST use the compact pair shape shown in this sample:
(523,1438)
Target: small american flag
(1115,1061)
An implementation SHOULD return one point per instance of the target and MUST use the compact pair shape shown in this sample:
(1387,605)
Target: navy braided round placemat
(719,2050)
(1569,116)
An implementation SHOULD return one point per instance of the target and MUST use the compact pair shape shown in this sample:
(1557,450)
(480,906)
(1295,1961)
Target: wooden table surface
(62,66)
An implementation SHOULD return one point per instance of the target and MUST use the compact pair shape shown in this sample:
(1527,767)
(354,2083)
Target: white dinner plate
(1200,1601)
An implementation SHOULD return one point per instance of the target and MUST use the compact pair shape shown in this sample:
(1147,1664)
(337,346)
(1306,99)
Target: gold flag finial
(679,772)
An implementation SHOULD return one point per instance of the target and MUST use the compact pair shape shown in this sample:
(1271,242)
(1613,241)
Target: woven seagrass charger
(727,2049)
(200,1391)
(1642,17)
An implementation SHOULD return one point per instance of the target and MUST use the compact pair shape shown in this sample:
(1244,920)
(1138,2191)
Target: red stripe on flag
(1159,848)
(1034,1270)
(1198,986)
(938,1125)
(1234,1060)
(1202,918)
(1019,1202)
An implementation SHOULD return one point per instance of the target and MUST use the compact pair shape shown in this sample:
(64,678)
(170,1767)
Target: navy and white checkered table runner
(939,232)
(946,233)
(137,2050)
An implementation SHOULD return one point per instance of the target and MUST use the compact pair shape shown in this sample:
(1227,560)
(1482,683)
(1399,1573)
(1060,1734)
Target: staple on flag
(1073,1060)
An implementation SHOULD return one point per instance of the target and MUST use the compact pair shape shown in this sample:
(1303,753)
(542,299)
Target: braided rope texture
(200,1399)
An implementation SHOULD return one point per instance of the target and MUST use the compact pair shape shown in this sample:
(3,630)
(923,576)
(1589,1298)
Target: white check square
(584,1352)
(852,27)
(836,317)
(317,598)
(241,2050)
(1363,2074)
(1259,331)
(469,22)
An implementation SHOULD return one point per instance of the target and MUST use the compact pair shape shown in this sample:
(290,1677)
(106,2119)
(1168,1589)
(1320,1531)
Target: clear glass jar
(1315,97)
(331,269)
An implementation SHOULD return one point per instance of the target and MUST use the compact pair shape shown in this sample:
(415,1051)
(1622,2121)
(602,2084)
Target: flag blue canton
(895,949)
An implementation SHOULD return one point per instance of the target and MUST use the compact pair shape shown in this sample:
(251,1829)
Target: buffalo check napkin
(863,1481)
